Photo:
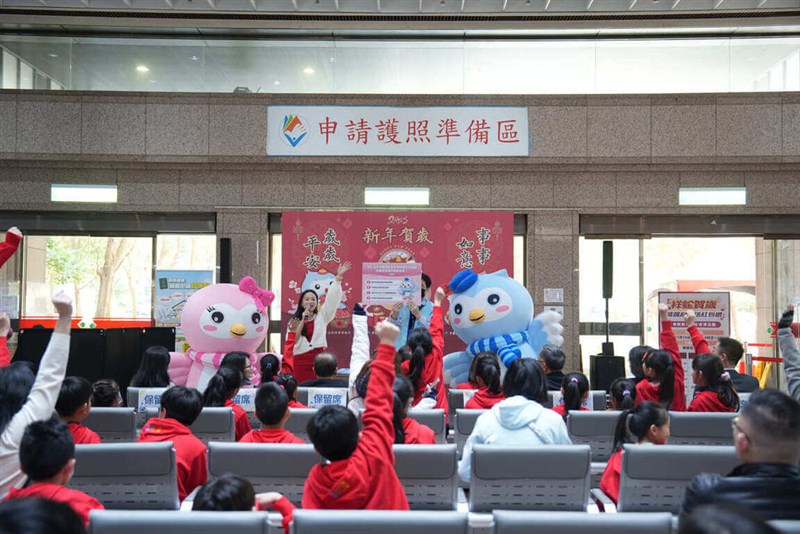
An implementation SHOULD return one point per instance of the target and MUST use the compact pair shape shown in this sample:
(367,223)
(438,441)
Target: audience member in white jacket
(519,419)
(24,399)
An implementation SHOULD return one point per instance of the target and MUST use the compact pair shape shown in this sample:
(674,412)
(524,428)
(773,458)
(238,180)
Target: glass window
(10,63)
(108,277)
(190,252)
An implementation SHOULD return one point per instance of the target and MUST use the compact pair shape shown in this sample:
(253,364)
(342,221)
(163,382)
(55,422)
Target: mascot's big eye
(317,287)
(217,317)
(458,309)
(493,299)
(256,318)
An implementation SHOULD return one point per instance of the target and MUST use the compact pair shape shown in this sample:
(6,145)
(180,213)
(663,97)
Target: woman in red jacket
(486,373)
(663,370)
(713,389)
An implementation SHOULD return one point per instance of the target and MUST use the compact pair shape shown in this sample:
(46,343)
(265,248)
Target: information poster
(440,244)
(173,289)
(384,284)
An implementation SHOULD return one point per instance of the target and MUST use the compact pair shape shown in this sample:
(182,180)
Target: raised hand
(387,332)
(63,304)
(689,318)
(438,297)
(295,325)
(266,501)
(5,325)
(343,268)
(787,317)
(662,312)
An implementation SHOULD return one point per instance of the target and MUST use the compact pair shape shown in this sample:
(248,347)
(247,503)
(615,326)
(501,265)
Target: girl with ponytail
(574,390)
(221,390)
(663,370)
(424,369)
(713,389)
(623,394)
(407,430)
(486,372)
(646,423)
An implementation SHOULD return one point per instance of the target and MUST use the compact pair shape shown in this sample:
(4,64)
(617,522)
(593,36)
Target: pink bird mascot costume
(219,319)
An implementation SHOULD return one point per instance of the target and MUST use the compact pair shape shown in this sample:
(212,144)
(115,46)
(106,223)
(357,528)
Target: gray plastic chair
(128,476)
(215,424)
(546,477)
(133,402)
(599,400)
(429,474)
(465,422)
(434,419)
(113,424)
(268,466)
(700,428)
(654,478)
(298,421)
(383,521)
(455,401)
(118,522)
(595,429)
(517,522)
(302,396)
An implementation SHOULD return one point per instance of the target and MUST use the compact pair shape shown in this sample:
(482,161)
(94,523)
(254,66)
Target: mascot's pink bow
(263,297)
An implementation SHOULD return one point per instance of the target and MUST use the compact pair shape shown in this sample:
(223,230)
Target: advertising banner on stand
(315,244)
(173,289)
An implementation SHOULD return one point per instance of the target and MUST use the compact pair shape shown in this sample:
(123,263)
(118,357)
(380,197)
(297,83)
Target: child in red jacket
(485,373)
(272,409)
(221,390)
(647,422)
(180,407)
(574,391)
(663,370)
(407,430)
(359,474)
(47,457)
(713,389)
(427,355)
(73,405)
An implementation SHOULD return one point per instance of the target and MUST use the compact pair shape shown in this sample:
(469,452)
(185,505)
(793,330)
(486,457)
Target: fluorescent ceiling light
(142,68)
(397,196)
(83,193)
(712,196)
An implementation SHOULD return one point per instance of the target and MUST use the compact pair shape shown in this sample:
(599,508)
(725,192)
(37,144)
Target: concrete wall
(590,155)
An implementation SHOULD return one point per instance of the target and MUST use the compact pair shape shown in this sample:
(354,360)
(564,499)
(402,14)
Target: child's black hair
(226,493)
(289,384)
(575,386)
(420,343)
(152,371)
(634,424)
(271,403)
(636,359)
(39,516)
(486,366)
(75,392)
(270,366)
(718,380)
(525,377)
(236,359)
(623,391)
(403,392)
(16,381)
(334,432)
(222,386)
(46,447)
(182,404)
(660,361)
(105,393)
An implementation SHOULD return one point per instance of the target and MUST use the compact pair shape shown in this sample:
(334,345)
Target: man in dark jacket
(552,360)
(731,352)
(325,369)
(767,440)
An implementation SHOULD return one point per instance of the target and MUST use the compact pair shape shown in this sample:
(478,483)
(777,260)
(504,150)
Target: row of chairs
(143,476)
(387,522)
(218,424)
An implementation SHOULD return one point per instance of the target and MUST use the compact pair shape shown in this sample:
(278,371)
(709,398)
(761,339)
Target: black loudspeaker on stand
(225,272)
(605,368)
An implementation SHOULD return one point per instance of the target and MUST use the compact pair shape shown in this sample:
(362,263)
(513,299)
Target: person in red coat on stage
(713,388)
(73,405)
(180,407)
(47,457)
(424,369)
(221,390)
(646,423)
(272,409)
(485,371)
(406,430)
(358,473)
(663,370)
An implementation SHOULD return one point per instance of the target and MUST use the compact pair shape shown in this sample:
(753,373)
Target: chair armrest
(603,501)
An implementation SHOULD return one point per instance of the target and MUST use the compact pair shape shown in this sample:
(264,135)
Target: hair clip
(573,379)
(725,377)
(626,393)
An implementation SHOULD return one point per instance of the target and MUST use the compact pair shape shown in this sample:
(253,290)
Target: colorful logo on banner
(315,244)
(294,129)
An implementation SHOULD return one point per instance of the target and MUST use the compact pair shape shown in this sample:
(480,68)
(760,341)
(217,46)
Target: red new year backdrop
(316,243)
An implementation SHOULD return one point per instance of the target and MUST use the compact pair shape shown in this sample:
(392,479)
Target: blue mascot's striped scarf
(506,346)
